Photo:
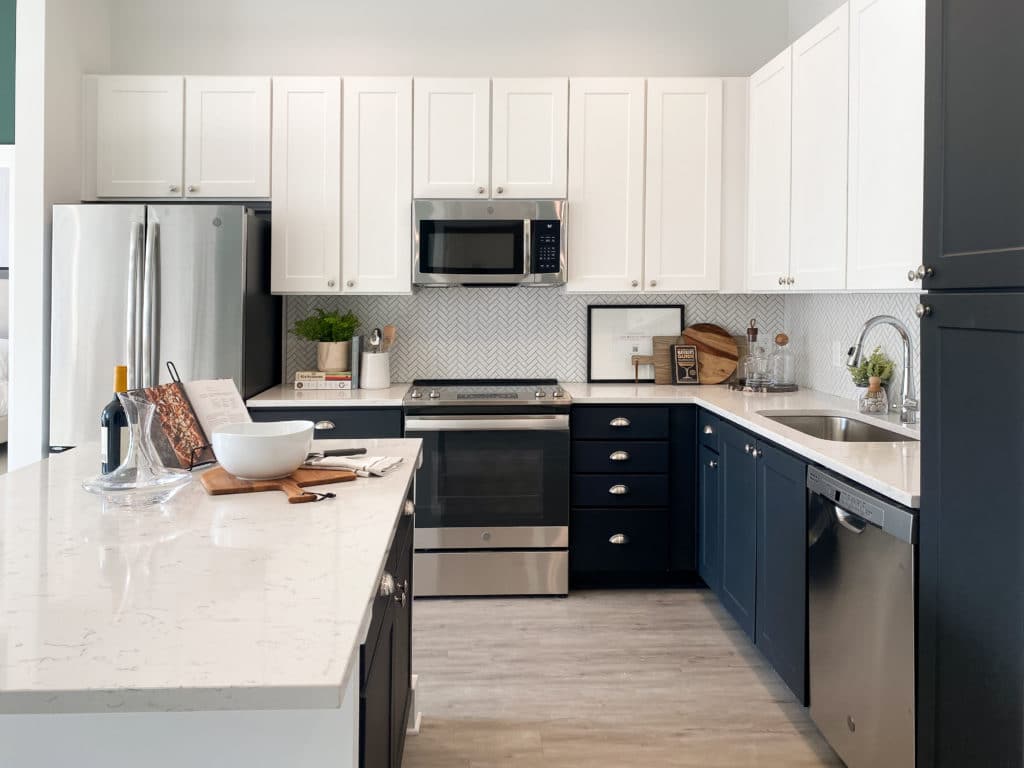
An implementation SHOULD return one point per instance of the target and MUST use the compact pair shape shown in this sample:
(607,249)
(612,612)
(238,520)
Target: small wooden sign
(684,364)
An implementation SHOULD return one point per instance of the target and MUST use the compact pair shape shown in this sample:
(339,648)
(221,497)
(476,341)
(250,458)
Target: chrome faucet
(908,397)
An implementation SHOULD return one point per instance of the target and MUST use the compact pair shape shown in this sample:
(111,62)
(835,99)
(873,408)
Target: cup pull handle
(618,490)
(322,425)
(619,421)
(618,538)
(619,456)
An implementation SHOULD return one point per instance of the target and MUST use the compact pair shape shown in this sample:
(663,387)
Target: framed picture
(616,332)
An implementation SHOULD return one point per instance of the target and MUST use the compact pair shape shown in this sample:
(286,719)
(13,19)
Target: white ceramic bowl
(263,450)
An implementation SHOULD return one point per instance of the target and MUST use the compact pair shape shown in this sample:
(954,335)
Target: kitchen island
(211,631)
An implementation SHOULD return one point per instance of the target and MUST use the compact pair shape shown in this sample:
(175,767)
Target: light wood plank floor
(601,679)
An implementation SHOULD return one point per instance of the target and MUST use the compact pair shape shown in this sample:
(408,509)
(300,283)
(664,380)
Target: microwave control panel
(546,247)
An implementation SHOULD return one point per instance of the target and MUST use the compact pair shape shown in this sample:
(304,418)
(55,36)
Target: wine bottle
(114,426)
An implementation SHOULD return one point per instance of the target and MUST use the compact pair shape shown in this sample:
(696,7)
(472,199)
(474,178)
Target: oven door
(492,482)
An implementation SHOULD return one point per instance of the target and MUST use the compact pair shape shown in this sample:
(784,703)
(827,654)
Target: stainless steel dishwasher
(861,620)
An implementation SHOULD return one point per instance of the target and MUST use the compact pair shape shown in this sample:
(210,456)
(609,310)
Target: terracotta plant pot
(333,355)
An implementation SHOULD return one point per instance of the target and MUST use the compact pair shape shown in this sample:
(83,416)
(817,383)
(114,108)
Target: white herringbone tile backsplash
(824,326)
(496,332)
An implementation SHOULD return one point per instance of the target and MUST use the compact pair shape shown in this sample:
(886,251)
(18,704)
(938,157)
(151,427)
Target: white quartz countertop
(286,396)
(208,603)
(892,469)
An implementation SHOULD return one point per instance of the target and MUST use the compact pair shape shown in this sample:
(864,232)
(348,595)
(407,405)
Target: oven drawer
(471,574)
(615,540)
(620,490)
(708,427)
(620,456)
(615,423)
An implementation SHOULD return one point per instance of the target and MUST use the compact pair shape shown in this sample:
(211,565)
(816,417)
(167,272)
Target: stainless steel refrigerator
(140,285)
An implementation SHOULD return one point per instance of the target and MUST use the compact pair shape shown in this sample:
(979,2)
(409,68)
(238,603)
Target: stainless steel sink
(842,429)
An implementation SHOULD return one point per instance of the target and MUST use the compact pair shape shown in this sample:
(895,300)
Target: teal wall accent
(7,26)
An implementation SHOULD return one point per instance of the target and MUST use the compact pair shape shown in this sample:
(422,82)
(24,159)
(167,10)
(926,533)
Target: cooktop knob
(434,394)
(539,393)
(557,392)
(415,394)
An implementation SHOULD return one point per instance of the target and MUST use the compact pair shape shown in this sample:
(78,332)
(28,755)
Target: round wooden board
(717,353)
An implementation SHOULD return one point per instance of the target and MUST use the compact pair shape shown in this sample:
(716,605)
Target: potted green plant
(333,333)
(876,364)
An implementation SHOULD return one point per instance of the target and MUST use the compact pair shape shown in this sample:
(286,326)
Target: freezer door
(196,258)
(93,246)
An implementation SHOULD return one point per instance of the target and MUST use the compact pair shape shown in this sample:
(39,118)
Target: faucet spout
(908,404)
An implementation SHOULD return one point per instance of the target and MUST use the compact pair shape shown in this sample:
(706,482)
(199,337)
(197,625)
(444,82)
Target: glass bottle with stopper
(755,364)
(782,366)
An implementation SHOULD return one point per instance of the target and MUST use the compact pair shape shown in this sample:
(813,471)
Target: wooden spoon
(390,335)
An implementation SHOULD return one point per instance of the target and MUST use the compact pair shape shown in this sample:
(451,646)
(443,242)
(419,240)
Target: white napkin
(361,465)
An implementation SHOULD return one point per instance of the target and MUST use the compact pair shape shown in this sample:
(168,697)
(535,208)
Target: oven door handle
(522,422)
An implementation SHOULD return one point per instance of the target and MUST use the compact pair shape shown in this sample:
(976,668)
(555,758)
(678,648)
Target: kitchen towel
(361,465)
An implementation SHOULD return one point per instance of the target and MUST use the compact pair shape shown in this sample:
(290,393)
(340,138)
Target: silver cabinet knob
(747,448)
(920,273)
(923,310)
(619,456)
(172,188)
(500,190)
(654,283)
(619,421)
(408,508)
(635,283)
(782,281)
(387,585)
(756,453)
(192,188)
(618,538)
(790,280)
(402,593)
(330,283)
(713,464)
(351,283)
(322,425)
(480,190)
(618,490)
(708,429)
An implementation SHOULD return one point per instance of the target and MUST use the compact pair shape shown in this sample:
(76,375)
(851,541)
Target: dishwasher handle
(850,521)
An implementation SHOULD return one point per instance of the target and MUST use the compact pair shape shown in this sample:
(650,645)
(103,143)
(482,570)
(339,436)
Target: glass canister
(782,365)
(755,364)
(874,401)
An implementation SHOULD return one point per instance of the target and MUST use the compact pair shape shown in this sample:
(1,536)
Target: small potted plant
(876,364)
(333,333)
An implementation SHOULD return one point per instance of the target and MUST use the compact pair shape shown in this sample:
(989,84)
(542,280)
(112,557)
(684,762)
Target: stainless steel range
(492,497)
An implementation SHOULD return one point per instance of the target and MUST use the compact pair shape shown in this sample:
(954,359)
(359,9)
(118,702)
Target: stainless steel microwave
(489,242)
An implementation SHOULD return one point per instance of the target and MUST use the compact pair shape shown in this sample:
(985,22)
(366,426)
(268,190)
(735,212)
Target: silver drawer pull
(325,424)
(619,421)
(619,456)
(747,448)
(402,596)
(618,538)
(387,585)
(708,429)
(408,509)
(618,490)
(713,464)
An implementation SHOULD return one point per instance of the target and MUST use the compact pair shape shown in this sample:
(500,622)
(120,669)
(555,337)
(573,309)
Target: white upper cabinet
(768,204)
(817,259)
(529,129)
(376,218)
(682,250)
(451,137)
(306,186)
(227,137)
(886,142)
(606,184)
(139,124)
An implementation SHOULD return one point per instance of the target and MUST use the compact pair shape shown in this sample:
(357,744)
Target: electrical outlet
(838,354)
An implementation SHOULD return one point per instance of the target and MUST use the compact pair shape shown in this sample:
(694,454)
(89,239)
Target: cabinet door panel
(606,184)
(769,175)
(683,489)
(971,544)
(376,211)
(139,135)
(782,565)
(682,244)
(401,650)
(974,178)
(375,726)
(709,551)
(452,137)
(820,105)
(530,130)
(739,524)
(886,142)
(227,137)
(306,236)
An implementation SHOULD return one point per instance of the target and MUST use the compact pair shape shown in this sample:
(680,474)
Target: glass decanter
(141,480)
(755,364)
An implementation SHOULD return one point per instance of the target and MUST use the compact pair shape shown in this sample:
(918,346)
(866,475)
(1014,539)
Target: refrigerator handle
(148,325)
(133,358)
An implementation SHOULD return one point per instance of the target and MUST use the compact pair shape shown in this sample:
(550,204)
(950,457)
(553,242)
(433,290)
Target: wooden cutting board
(717,353)
(217,482)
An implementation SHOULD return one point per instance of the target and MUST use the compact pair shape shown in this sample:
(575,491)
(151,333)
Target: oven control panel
(546,246)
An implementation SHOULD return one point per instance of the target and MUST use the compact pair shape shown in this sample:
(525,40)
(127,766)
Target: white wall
(447,37)
(58,40)
(804,14)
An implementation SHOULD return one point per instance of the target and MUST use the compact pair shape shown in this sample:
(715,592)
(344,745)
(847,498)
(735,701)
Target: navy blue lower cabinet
(782,565)
(340,423)
(612,540)
(709,554)
(683,489)
(738,504)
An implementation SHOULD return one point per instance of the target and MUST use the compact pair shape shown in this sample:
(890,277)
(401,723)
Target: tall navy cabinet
(970,704)
(737,515)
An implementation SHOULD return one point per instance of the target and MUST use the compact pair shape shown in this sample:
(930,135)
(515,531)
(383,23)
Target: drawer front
(339,423)
(617,423)
(614,540)
(619,456)
(708,427)
(620,490)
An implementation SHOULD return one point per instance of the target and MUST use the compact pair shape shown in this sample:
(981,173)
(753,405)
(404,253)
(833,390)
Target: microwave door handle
(527,247)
